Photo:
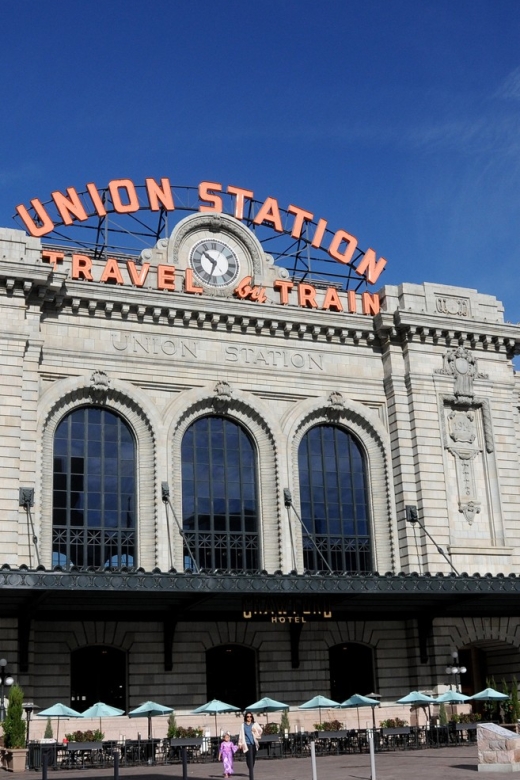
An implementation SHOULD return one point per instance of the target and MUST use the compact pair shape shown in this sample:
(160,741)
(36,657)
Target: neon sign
(120,196)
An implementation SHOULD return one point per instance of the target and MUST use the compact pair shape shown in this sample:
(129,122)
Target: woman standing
(250,733)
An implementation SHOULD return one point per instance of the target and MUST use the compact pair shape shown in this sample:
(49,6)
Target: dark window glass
(334,503)
(351,670)
(94,490)
(219,496)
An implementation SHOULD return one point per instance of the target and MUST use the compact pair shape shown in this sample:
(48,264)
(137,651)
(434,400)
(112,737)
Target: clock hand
(212,261)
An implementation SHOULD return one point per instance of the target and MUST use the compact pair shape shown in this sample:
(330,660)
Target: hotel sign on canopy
(71,207)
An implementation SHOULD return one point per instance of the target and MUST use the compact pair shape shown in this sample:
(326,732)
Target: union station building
(223,476)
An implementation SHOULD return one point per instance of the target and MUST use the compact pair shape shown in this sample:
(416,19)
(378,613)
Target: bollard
(116,764)
(184,751)
(372,755)
(45,760)
(313,760)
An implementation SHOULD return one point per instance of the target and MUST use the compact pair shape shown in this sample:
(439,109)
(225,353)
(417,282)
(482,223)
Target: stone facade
(498,749)
(425,384)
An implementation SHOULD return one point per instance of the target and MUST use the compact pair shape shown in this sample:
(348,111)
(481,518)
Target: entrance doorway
(351,670)
(98,673)
(231,675)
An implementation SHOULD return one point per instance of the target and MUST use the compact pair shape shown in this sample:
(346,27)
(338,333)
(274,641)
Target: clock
(214,262)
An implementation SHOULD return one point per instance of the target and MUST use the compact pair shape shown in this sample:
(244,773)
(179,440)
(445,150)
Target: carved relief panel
(473,493)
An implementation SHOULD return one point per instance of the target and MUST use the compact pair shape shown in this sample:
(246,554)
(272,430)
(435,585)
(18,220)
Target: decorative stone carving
(469,510)
(464,448)
(463,366)
(99,387)
(462,427)
(335,404)
(223,394)
(452,307)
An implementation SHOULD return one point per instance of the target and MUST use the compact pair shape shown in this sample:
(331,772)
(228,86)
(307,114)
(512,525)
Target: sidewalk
(455,763)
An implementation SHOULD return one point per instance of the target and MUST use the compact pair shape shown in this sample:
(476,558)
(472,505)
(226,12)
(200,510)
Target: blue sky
(394,119)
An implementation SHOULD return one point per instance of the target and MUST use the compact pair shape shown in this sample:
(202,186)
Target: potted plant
(15,751)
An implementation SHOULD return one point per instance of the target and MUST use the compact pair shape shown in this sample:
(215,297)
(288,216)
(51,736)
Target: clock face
(214,262)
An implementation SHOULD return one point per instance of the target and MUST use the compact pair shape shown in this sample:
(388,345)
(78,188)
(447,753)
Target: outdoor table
(465,732)
(79,753)
(194,743)
(396,737)
(140,751)
(331,741)
(271,744)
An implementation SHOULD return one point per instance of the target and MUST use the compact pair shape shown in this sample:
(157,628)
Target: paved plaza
(457,763)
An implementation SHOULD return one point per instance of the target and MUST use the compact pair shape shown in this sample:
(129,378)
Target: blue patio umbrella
(451,697)
(267,705)
(149,710)
(417,699)
(58,711)
(489,694)
(318,703)
(101,710)
(357,700)
(215,707)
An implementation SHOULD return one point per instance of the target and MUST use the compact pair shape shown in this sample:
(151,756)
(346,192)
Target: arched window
(334,501)
(97,673)
(219,496)
(231,675)
(351,670)
(94,490)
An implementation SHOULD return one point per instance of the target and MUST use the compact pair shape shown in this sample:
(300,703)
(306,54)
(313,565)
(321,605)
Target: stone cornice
(206,313)
(407,326)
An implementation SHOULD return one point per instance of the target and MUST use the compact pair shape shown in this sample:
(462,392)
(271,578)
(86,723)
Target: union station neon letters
(124,199)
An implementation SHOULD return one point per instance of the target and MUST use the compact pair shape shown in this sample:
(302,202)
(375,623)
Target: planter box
(14,760)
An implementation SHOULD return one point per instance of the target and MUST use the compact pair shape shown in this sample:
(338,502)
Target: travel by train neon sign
(121,197)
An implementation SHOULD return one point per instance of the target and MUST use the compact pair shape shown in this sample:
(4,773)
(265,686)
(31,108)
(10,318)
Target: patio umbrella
(214,707)
(357,700)
(451,697)
(101,710)
(149,710)
(417,699)
(58,711)
(489,694)
(267,705)
(319,703)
